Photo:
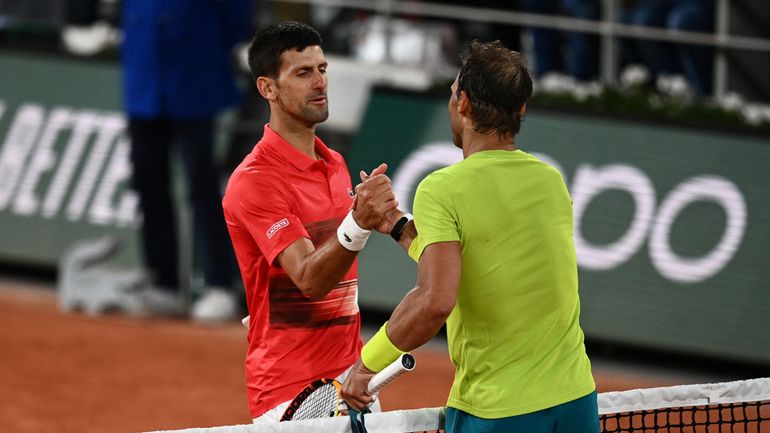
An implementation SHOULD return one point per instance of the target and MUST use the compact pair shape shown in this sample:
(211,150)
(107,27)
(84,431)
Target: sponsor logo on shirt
(277,226)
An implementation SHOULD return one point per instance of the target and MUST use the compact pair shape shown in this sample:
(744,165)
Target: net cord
(684,395)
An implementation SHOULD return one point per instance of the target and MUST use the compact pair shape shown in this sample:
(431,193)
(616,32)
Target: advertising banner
(64,159)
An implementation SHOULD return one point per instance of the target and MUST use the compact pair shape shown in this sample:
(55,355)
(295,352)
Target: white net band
(684,395)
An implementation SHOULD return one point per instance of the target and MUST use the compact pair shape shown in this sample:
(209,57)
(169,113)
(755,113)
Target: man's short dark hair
(497,83)
(269,43)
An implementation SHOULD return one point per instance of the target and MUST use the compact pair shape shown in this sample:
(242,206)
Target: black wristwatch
(400,225)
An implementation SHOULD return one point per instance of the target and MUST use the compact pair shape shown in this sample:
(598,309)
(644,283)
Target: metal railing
(607,28)
(38,12)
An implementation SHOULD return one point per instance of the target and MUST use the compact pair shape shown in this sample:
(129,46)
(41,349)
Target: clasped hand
(375,206)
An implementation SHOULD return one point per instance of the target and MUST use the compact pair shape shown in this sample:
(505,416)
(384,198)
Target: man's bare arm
(424,310)
(408,233)
(317,271)
(420,314)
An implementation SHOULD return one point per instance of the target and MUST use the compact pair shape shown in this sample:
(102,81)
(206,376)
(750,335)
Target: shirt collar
(298,159)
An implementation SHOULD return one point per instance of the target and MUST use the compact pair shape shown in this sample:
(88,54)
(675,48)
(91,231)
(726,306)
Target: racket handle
(404,363)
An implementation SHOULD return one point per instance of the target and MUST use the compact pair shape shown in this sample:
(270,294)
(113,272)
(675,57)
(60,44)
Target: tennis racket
(322,399)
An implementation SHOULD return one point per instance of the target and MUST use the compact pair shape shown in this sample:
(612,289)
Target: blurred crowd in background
(421,39)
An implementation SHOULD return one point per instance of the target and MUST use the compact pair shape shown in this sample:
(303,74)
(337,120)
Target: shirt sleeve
(265,212)
(434,215)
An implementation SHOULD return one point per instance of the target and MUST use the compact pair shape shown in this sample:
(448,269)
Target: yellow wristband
(379,352)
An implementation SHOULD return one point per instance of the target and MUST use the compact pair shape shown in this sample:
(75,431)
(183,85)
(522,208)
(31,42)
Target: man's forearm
(408,235)
(326,267)
(425,308)
(415,321)
(317,271)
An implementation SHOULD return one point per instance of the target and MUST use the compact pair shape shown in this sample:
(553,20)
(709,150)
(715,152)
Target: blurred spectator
(177,58)
(666,60)
(90,26)
(81,12)
(582,58)
(508,34)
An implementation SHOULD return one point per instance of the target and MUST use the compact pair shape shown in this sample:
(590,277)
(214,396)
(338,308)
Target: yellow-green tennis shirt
(514,334)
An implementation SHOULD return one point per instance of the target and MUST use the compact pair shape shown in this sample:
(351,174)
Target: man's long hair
(269,43)
(497,82)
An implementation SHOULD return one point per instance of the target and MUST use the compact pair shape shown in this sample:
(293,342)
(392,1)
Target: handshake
(374,208)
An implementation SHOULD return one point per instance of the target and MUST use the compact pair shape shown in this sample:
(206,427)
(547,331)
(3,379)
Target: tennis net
(735,407)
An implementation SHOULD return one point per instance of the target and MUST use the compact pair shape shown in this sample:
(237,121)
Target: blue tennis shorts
(577,416)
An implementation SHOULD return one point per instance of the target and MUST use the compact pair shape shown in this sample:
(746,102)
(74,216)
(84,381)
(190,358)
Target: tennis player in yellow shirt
(492,236)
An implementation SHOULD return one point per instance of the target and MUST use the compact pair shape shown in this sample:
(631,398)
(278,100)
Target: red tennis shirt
(276,196)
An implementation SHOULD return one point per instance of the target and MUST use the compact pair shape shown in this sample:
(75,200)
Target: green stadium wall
(672,225)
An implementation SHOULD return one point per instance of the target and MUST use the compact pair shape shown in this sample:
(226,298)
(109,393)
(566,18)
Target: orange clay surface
(67,372)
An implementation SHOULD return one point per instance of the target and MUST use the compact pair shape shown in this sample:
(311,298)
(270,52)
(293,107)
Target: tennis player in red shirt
(297,226)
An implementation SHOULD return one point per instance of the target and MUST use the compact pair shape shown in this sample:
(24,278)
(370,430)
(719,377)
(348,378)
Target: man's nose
(320,81)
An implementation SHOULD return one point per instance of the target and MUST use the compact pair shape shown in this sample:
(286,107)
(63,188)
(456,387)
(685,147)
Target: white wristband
(350,235)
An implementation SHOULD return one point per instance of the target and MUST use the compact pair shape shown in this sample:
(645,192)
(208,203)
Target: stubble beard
(307,115)
(315,115)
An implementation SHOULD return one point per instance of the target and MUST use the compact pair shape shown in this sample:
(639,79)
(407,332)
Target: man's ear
(523,110)
(464,104)
(266,87)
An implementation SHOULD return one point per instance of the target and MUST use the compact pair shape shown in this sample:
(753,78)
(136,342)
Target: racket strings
(321,403)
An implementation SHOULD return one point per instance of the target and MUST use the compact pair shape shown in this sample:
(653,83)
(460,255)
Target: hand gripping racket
(322,399)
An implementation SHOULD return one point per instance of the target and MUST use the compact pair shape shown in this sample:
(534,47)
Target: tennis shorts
(577,416)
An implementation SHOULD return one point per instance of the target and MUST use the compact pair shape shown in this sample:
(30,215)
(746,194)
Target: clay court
(64,372)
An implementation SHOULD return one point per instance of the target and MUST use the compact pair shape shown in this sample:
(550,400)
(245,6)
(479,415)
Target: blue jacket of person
(177,56)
